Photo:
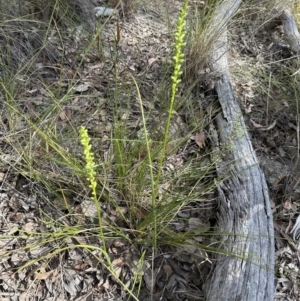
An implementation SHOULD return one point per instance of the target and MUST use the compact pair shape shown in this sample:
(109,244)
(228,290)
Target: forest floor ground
(48,244)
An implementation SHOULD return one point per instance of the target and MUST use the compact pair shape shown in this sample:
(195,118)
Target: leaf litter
(77,274)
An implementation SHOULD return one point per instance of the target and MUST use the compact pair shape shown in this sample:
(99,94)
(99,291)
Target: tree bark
(244,269)
(290,30)
(292,37)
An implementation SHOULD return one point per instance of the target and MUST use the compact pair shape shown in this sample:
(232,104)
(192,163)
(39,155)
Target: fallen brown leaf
(261,127)
(152,60)
(43,276)
(199,139)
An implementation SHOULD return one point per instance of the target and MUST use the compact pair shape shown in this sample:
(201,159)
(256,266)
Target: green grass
(133,166)
(124,166)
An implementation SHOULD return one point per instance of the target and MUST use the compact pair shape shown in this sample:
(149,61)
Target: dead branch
(245,271)
(291,33)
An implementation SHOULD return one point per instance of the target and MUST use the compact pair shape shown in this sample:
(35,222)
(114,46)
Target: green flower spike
(179,55)
(89,158)
(178,61)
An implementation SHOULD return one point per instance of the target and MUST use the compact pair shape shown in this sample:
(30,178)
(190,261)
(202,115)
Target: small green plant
(90,161)
(178,62)
(91,175)
(133,166)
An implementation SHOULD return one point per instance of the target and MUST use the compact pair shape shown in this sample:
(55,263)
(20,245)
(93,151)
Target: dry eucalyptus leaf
(89,208)
(65,114)
(102,11)
(194,223)
(82,87)
(199,139)
(168,270)
(270,143)
(287,204)
(150,278)
(118,270)
(263,128)
(248,109)
(19,257)
(184,214)
(152,60)
(44,276)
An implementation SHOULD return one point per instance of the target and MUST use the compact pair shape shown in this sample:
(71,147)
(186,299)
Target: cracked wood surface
(291,33)
(245,271)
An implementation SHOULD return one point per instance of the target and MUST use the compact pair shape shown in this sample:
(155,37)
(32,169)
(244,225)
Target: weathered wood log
(244,270)
(290,30)
(292,37)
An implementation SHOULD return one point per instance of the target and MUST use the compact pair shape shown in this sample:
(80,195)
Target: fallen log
(244,268)
(292,37)
(290,30)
